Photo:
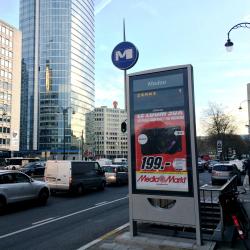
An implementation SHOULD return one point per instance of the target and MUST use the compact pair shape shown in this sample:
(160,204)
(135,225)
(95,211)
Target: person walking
(247,170)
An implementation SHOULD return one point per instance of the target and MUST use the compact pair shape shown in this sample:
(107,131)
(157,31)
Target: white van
(75,176)
(104,161)
(120,161)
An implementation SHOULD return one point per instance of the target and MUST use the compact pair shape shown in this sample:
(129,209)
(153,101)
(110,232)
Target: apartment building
(10,81)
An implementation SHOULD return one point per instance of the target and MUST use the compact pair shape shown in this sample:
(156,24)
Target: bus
(18,162)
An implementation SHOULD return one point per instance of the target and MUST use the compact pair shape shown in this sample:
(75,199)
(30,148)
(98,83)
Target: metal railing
(210,195)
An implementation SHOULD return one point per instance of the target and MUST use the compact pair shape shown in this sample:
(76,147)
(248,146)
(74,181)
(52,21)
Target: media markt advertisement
(160,151)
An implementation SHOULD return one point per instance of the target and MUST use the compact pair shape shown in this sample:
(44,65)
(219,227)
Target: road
(67,222)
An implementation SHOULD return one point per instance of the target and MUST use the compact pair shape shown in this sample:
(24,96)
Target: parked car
(74,176)
(222,172)
(116,174)
(16,186)
(211,164)
(34,168)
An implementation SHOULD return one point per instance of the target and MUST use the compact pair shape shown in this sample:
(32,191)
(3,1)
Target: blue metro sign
(125,55)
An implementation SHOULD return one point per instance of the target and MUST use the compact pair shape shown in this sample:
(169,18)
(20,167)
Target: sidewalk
(120,239)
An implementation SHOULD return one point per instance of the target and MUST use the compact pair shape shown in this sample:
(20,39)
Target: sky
(169,33)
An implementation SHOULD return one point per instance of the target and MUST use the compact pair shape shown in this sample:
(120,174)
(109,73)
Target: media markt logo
(162,179)
(125,55)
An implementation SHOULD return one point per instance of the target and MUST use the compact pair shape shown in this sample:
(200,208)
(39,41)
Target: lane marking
(41,221)
(94,242)
(101,203)
(59,218)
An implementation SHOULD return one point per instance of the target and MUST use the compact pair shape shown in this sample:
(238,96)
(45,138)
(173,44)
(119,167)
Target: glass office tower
(57,73)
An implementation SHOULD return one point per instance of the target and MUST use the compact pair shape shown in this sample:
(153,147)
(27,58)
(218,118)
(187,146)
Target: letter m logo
(127,54)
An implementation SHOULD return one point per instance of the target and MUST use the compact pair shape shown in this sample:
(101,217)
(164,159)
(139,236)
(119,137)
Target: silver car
(222,172)
(116,174)
(16,186)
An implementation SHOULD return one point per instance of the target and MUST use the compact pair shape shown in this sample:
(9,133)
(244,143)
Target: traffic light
(123,127)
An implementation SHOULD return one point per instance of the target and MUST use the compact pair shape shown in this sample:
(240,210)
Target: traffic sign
(124,55)
(219,146)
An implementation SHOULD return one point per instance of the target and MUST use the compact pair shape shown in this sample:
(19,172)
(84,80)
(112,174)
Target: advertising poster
(160,151)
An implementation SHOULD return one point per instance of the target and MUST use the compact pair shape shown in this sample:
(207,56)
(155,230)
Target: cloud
(99,7)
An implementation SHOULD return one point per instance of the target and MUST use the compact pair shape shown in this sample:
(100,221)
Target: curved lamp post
(64,112)
(229,44)
(240,107)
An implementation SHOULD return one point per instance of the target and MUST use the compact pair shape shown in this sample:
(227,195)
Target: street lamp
(240,107)
(64,112)
(229,44)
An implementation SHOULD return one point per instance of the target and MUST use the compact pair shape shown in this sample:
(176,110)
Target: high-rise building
(10,82)
(57,73)
(106,137)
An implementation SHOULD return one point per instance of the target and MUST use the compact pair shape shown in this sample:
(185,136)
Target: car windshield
(223,168)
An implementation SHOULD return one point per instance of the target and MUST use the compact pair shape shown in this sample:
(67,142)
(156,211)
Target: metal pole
(98,145)
(64,145)
(82,144)
(79,150)
(125,71)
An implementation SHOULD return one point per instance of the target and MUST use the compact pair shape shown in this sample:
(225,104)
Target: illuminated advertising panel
(160,123)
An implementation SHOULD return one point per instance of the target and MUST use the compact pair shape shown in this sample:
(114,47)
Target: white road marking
(41,221)
(59,218)
(92,243)
(101,203)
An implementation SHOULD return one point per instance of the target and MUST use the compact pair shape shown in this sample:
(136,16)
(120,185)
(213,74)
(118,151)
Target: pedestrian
(247,169)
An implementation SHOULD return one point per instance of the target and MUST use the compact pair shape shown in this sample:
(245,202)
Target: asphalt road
(66,222)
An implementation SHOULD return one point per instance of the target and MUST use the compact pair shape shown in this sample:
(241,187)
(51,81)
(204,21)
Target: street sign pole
(124,56)
(125,71)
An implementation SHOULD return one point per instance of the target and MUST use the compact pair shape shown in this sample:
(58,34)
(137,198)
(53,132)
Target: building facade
(10,82)
(57,73)
(108,140)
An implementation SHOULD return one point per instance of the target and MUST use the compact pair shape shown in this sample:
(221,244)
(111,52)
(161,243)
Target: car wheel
(79,189)
(43,196)
(2,205)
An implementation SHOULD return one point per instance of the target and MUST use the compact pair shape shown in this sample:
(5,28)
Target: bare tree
(216,122)
(218,126)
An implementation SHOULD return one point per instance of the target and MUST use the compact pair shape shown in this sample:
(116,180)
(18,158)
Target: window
(3,29)
(97,166)
(21,178)
(6,179)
